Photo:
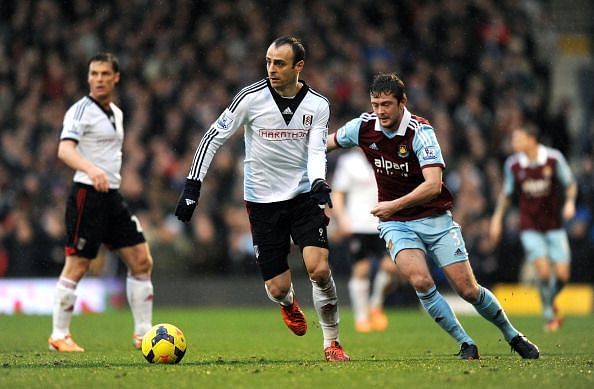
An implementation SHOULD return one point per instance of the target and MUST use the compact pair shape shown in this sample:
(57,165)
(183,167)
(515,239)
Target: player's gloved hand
(320,192)
(188,200)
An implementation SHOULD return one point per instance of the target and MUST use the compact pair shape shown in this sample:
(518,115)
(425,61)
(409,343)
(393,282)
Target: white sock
(64,300)
(326,305)
(140,299)
(359,292)
(286,301)
(380,283)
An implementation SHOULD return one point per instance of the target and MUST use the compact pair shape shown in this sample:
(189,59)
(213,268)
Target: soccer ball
(164,343)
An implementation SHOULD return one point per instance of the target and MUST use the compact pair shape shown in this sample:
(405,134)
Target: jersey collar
(541,158)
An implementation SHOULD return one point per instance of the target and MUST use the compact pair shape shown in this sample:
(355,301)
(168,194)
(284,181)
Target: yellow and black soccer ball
(164,343)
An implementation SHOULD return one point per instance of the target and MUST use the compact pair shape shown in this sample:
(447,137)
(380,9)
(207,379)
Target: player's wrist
(193,184)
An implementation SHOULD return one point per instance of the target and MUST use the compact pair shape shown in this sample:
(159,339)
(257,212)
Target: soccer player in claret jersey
(285,130)
(414,211)
(91,144)
(537,174)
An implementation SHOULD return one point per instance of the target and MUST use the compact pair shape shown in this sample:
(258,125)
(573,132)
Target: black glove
(188,200)
(320,192)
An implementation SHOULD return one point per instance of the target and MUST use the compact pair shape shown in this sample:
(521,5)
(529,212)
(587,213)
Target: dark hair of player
(389,84)
(296,45)
(106,57)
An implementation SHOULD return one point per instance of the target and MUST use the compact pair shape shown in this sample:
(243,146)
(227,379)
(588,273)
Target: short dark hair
(296,45)
(529,129)
(389,84)
(106,57)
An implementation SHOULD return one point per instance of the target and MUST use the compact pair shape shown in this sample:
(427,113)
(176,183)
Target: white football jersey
(354,177)
(285,141)
(99,135)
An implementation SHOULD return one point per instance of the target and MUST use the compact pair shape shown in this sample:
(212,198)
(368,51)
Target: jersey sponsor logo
(307,120)
(402,151)
(389,168)
(282,134)
(224,121)
(428,153)
(536,188)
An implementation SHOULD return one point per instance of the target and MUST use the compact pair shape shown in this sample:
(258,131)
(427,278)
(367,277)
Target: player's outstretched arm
(188,200)
(331,144)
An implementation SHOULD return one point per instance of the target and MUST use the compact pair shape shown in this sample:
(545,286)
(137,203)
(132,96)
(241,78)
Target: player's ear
(299,65)
(404,99)
(117,77)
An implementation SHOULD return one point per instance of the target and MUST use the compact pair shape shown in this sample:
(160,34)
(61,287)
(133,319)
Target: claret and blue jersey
(398,158)
(538,184)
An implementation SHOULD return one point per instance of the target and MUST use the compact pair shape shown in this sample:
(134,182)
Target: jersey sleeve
(427,148)
(508,178)
(564,173)
(318,136)
(347,136)
(72,128)
(226,124)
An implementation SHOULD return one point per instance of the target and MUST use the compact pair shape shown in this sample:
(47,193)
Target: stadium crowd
(474,68)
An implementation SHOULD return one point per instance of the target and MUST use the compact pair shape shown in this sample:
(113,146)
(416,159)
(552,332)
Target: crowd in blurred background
(474,68)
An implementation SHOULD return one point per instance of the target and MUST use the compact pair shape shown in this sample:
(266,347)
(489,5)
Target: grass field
(251,348)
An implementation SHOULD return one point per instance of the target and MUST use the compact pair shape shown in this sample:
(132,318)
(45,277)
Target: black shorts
(95,217)
(366,246)
(275,224)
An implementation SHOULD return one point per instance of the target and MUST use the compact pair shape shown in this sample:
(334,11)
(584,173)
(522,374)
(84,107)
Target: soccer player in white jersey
(414,209)
(354,193)
(285,126)
(538,174)
(91,144)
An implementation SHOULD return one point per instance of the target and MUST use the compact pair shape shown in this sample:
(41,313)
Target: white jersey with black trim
(285,141)
(99,135)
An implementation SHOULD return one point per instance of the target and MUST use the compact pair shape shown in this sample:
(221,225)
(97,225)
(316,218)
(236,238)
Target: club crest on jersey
(402,151)
(307,120)
(547,171)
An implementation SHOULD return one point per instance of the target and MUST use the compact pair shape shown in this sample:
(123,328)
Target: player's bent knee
(320,274)
(469,294)
(277,291)
(421,283)
(141,264)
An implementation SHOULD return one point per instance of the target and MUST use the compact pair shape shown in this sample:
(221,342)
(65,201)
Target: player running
(537,173)
(414,211)
(285,130)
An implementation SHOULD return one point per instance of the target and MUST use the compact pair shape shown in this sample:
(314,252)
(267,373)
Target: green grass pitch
(251,348)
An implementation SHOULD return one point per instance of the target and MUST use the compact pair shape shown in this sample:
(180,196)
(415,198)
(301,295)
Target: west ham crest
(402,151)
